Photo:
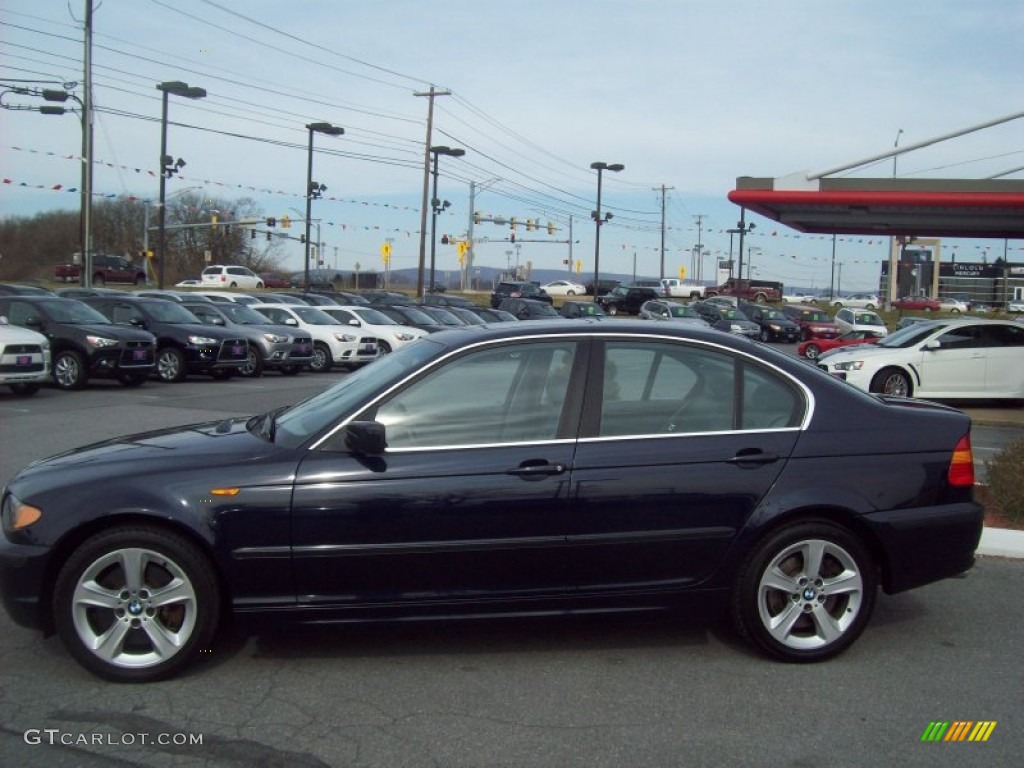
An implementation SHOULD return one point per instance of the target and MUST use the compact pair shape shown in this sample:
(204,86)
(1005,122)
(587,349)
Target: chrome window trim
(577,337)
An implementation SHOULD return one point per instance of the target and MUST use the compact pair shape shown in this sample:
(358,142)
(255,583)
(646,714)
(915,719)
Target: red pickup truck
(105,269)
(758,291)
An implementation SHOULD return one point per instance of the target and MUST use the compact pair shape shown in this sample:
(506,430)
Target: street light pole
(743,229)
(312,188)
(436,207)
(167,166)
(600,167)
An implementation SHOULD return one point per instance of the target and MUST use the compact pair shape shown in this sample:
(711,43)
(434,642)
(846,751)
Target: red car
(920,302)
(274,280)
(815,347)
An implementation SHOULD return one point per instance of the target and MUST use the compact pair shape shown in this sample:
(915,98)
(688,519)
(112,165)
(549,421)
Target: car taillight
(961,467)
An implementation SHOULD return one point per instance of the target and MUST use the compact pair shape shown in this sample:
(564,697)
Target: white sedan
(857,301)
(564,288)
(966,358)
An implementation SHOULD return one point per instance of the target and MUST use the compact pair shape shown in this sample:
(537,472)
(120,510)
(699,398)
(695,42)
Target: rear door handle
(753,456)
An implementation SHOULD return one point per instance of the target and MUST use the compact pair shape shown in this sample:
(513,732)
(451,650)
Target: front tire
(322,361)
(69,370)
(170,365)
(811,351)
(613,310)
(253,364)
(892,381)
(764,335)
(136,604)
(806,592)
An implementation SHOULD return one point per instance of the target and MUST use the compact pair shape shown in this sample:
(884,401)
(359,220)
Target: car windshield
(732,314)
(243,315)
(867,318)
(73,312)
(164,311)
(414,315)
(373,317)
(774,314)
(681,310)
(909,336)
(815,317)
(314,316)
(297,424)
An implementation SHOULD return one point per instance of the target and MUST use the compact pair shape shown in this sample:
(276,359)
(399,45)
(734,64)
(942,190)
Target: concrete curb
(1001,542)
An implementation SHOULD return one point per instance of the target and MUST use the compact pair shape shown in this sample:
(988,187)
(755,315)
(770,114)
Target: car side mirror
(366,438)
(217,320)
(291,321)
(33,321)
(355,322)
(933,344)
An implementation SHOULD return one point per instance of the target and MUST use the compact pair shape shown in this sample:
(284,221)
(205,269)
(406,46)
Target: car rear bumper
(925,544)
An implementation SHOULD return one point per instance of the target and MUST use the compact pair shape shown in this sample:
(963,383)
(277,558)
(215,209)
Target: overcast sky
(687,95)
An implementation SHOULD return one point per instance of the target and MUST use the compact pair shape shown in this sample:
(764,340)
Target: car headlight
(735,327)
(201,341)
(775,327)
(274,338)
(402,336)
(100,341)
(852,365)
(345,336)
(17,515)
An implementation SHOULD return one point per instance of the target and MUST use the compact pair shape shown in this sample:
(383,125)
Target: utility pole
(87,111)
(699,248)
(663,188)
(426,185)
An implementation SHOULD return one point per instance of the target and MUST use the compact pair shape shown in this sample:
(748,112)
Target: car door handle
(753,456)
(537,469)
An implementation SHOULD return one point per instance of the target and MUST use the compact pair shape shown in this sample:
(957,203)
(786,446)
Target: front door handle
(536,469)
(753,456)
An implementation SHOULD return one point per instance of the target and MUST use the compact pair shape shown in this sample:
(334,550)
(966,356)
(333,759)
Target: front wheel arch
(883,382)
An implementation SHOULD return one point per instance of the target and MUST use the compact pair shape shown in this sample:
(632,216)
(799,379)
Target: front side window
(509,394)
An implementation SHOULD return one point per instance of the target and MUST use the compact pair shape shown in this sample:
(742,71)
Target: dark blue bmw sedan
(542,468)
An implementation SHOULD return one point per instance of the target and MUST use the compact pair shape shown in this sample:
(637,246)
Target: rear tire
(253,367)
(24,390)
(805,592)
(811,351)
(133,379)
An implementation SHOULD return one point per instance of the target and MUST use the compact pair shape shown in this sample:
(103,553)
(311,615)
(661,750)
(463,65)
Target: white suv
(333,342)
(223,276)
(24,358)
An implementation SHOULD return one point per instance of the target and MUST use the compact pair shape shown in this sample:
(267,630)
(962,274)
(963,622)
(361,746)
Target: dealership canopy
(897,207)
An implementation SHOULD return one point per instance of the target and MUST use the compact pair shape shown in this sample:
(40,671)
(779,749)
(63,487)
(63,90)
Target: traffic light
(213,221)
(271,222)
(286,222)
(551,227)
(268,235)
(444,239)
(530,225)
(512,237)
(252,234)
(477,218)
(302,238)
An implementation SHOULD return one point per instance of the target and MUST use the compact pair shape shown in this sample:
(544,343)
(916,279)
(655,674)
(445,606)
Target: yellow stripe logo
(958,730)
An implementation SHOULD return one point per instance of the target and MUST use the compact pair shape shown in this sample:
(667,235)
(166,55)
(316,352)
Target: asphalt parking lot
(527,693)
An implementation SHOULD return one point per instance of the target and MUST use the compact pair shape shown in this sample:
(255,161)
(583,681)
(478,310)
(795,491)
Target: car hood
(857,351)
(121,332)
(190,449)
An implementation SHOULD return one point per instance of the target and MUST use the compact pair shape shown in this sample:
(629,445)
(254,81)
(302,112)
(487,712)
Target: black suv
(626,299)
(517,289)
(83,342)
(184,344)
(774,324)
(528,309)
